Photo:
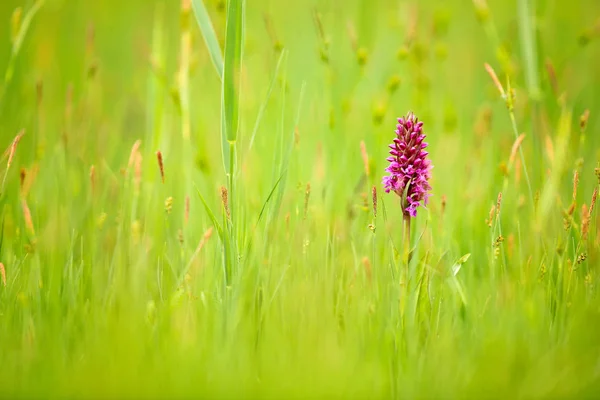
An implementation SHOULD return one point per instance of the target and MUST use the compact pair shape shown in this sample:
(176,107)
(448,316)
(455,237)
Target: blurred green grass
(99,301)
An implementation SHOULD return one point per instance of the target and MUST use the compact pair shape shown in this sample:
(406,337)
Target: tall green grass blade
(262,211)
(209,35)
(18,42)
(210,214)
(263,106)
(25,25)
(232,67)
(286,157)
(529,48)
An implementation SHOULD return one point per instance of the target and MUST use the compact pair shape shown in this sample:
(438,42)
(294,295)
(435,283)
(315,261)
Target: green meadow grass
(258,268)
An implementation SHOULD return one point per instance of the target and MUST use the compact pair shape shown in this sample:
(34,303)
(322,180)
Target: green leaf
(209,36)
(211,215)
(459,263)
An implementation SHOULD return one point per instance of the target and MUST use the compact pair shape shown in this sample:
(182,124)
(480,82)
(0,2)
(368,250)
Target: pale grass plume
(365,157)
(207,234)
(515,149)
(137,177)
(287,223)
(27,217)
(585,221)
(186,217)
(593,203)
(489,221)
(495,79)
(483,122)
(134,153)
(11,154)
(351,29)
(552,77)
(368,269)
(510,245)
(13,148)
(575,185)
(205,237)
(3,274)
(93,178)
(184,66)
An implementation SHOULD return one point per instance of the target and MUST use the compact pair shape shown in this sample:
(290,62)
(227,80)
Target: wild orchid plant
(409,170)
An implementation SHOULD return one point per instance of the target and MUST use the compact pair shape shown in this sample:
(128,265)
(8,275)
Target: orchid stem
(405,263)
(406,257)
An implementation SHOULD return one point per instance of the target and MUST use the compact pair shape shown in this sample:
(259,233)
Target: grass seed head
(22,176)
(495,79)
(362,56)
(593,203)
(482,10)
(575,185)
(225,201)
(13,148)
(27,217)
(498,204)
(137,177)
(93,178)
(444,201)
(585,221)
(133,154)
(583,120)
(374,200)
(169,205)
(186,217)
(306,198)
(514,149)
(161,166)
(3,274)
(490,219)
(367,264)
(393,84)
(552,77)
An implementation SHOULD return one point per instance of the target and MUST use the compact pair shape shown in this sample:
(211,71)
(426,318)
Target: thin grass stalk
(17,42)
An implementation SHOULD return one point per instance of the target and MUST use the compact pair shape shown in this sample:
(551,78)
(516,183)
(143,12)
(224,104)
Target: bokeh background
(107,292)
